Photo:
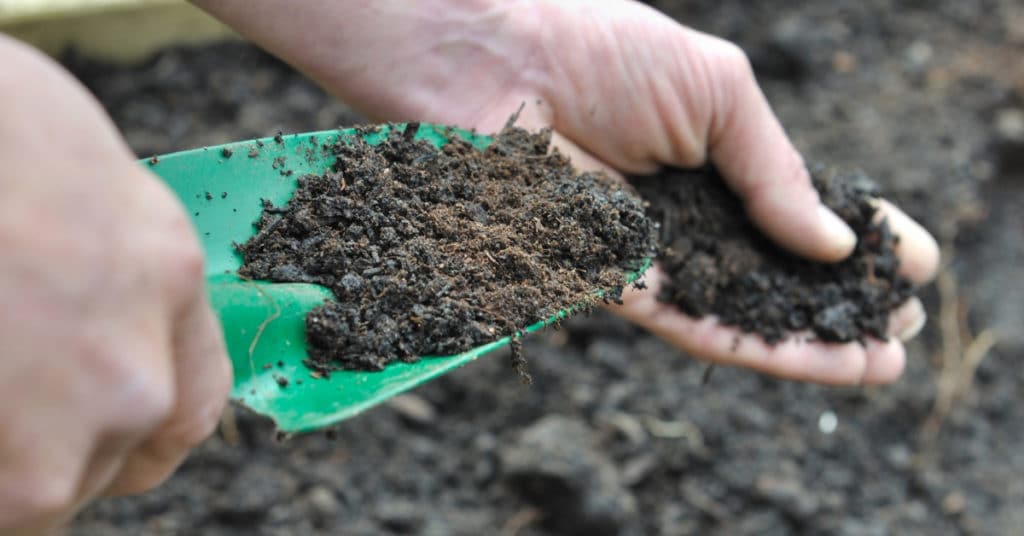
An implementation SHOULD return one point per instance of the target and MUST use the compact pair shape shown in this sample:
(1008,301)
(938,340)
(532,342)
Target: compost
(718,263)
(434,252)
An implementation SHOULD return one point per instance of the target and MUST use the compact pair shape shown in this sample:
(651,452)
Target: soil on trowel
(719,264)
(434,252)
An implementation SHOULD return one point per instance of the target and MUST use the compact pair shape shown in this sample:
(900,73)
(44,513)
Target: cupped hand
(630,90)
(626,89)
(111,362)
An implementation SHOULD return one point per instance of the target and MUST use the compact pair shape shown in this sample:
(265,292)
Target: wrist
(387,58)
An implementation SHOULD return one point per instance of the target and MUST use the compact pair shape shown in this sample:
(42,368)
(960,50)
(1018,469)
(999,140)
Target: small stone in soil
(555,463)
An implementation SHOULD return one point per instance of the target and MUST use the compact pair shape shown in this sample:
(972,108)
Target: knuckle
(791,188)
(184,249)
(692,155)
(145,468)
(195,428)
(728,83)
(183,264)
(190,260)
(38,494)
(150,397)
(796,182)
(173,243)
(794,178)
(140,393)
(141,483)
(222,384)
(27,69)
(197,420)
(735,77)
(201,426)
(184,433)
(51,494)
(735,63)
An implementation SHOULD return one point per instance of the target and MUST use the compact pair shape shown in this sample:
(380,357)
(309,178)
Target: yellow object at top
(113,30)
(19,11)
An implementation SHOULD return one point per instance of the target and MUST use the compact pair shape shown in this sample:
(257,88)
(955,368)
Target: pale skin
(110,348)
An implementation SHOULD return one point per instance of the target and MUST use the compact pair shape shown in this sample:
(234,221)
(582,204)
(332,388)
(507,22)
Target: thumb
(750,149)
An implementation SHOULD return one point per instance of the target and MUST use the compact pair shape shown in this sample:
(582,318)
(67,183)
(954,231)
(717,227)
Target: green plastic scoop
(264,323)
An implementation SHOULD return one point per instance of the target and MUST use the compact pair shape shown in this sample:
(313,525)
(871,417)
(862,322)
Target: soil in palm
(719,263)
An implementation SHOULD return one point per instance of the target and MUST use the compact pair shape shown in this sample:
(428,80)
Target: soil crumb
(719,264)
(434,252)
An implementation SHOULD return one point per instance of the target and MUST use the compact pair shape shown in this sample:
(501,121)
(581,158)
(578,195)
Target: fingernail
(915,311)
(839,234)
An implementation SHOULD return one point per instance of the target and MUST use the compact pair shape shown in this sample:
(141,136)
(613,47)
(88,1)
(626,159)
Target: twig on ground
(961,354)
(520,520)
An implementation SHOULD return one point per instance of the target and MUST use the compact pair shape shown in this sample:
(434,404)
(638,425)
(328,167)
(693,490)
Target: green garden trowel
(223,189)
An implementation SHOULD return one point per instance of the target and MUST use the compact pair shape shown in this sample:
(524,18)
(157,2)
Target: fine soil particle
(719,264)
(434,252)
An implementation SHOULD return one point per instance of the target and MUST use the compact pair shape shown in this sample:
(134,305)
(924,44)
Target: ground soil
(926,97)
(435,252)
(718,263)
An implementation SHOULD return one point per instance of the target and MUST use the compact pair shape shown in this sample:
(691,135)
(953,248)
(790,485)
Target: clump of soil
(720,264)
(434,252)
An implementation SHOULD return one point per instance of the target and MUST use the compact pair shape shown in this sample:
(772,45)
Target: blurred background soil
(618,435)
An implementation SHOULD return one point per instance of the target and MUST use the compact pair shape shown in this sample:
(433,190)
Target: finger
(750,148)
(580,158)
(203,380)
(105,464)
(796,358)
(906,321)
(885,361)
(57,478)
(917,249)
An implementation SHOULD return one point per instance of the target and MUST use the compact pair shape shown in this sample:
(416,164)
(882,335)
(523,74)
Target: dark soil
(718,263)
(921,95)
(434,252)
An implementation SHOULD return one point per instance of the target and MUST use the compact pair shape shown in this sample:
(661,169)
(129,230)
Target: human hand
(112,363)
(625,88)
